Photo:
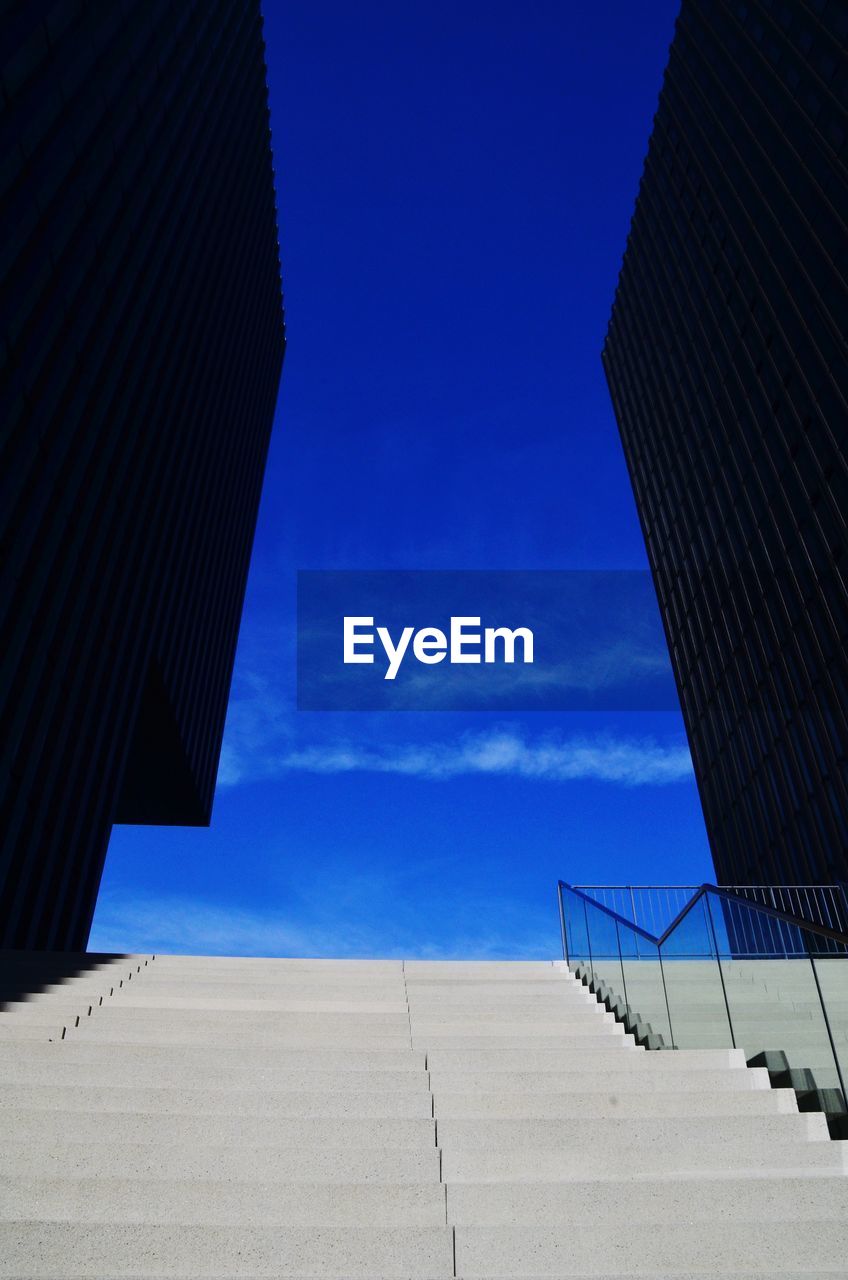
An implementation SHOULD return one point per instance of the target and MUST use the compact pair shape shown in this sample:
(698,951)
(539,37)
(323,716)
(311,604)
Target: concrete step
(186,967)
(273,964)
(815,1052)
(256,1204)
(505,981)
(458,992)
(92,985)
(192,1076)
(754,1039)
(616,1132)
(528,1043)
(818,1274)
(274,1058)
(791,1034)
(12,1031)
(769,1199)
(217,1161)
(285,999)
(638,1249)
(261,983)
(106,1127)
(589,1028)
(761,1102)
(752,1007)
(510,970)
(354,992)
(621,1164)
(762,1011)
(556,1083)
(556,1005)
(251,969)
(197,1013)
(347,1101)
(481,981)
(491,1010)
(778,1018)
(219,1020)
(621,1056)
(321,1003)
(94,1249)
(136,1032)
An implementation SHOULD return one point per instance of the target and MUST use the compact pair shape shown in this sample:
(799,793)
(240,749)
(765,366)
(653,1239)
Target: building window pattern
(726,362)
(141,341)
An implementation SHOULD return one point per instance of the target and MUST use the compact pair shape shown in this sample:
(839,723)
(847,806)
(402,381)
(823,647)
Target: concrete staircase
(234,1117)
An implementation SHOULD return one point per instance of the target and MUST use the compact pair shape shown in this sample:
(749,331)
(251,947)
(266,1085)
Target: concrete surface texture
(213,1117)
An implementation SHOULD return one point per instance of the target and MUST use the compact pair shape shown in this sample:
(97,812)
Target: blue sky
(455,184)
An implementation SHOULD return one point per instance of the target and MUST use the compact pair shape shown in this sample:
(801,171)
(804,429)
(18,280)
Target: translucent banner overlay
(480,640)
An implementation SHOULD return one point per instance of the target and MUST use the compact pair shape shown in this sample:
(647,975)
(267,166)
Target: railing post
(774,924)
(621,965)
(633,913)
(588,942)
(709,914)
(562,922)
(824,1015)
(665,995)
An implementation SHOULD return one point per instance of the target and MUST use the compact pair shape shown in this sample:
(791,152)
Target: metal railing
(726,971)
(654,906)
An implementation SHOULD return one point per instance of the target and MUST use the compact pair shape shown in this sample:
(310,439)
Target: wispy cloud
(175,924)
(258,723)
(630,762)
(265,739)
(181,925)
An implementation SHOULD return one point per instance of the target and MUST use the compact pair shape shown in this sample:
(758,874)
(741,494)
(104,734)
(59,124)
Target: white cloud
(174,924)
(177,925)
(264,738)
(258,721)
(627,761)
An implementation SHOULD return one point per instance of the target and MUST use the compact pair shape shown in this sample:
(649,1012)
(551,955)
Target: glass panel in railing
(644,986)
(603,943)
(771,990)
(748,932)
(693,983)
(576,932)
(830,960)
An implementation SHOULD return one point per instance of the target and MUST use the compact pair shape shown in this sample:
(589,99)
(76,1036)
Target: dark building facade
(726,360)
(142,343)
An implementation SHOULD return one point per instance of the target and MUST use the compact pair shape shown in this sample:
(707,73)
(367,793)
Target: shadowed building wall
(142,346)
(727,366)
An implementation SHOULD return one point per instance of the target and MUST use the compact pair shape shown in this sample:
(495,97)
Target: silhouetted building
(142,345)
(726,361)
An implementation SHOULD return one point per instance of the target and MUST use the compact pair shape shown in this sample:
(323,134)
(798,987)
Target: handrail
(806,928)
(583,887)
(637,928)
(809,926)
(653,905)
(834,935)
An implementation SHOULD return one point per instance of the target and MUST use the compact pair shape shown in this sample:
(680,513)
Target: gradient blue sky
(455,184)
